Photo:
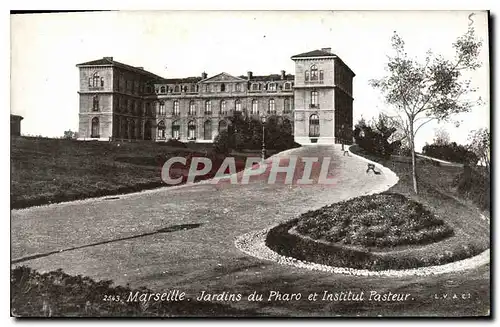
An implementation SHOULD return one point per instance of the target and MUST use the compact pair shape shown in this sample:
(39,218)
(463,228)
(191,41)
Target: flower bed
(380,221)
(344,235)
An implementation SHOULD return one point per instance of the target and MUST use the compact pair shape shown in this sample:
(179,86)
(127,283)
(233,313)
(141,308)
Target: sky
(45,49)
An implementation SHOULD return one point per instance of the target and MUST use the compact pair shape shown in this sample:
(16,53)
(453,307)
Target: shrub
(474,184)
(222,143)
(175,143)
(450,152)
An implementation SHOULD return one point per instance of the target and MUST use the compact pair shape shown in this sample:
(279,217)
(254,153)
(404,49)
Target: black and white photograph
(250,163)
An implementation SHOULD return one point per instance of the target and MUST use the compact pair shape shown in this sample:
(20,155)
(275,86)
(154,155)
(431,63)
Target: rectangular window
(307,76)
(321,76)
(255,107)
(162,108)
(238,87)
(176,108)
(175,132)
(314,99)
(271,87)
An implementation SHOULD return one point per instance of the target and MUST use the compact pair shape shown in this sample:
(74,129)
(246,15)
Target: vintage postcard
(250,164)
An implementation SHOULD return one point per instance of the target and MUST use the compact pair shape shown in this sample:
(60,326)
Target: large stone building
(118,101)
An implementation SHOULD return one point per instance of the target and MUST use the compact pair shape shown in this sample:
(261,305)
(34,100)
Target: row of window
(194,88)
(223,107)
(208,105)
(128,128)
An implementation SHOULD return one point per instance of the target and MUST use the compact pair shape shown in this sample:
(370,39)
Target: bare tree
(420,92)
(441,136)
(479,143)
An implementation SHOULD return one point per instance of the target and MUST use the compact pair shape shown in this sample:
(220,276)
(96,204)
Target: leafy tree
(421,92)
(374,137)
(480,144)
(70,135)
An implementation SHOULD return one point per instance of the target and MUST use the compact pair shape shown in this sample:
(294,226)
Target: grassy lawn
(54,170)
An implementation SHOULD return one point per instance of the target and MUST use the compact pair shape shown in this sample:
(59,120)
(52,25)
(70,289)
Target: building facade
(122,102)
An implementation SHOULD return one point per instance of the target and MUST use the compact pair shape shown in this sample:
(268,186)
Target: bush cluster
(246,133)
(56,293)
(375,139)
(450,152)
(475,184)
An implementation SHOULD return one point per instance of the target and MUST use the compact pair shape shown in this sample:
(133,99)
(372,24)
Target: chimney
(329,50)
(203,75)
(109,58)
(249,75)
(283,74)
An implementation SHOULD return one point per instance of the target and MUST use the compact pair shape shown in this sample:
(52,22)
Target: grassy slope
(436,192)
(53,170)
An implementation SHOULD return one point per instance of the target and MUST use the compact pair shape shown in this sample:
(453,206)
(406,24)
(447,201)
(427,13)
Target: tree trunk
(413,160)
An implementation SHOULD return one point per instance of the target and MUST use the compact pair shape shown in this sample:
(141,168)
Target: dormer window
(237,87)
(163,89)
(271,87)
(255,87)
(287,86)
(176,89)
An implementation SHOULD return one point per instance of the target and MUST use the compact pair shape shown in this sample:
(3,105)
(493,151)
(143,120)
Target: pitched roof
(315,53)
(192,79)
(110,61)
(268,78)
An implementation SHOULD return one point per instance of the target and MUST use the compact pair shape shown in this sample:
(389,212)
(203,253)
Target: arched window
(286,105)
(222,126)
(176,89)
(255,107)
(237,105)
(163,89)
(272,108)
(176,110)
(191,130)
(223,107)
(223,87)
(314,99)
(176,128)
(95,103)
(162,108)
(161,129)
(314,126)
(132,129)
(96,80)
(95,127)
(314,73)
(207,130)
(192,108)
(147,130)
(208,107)
(306,76)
